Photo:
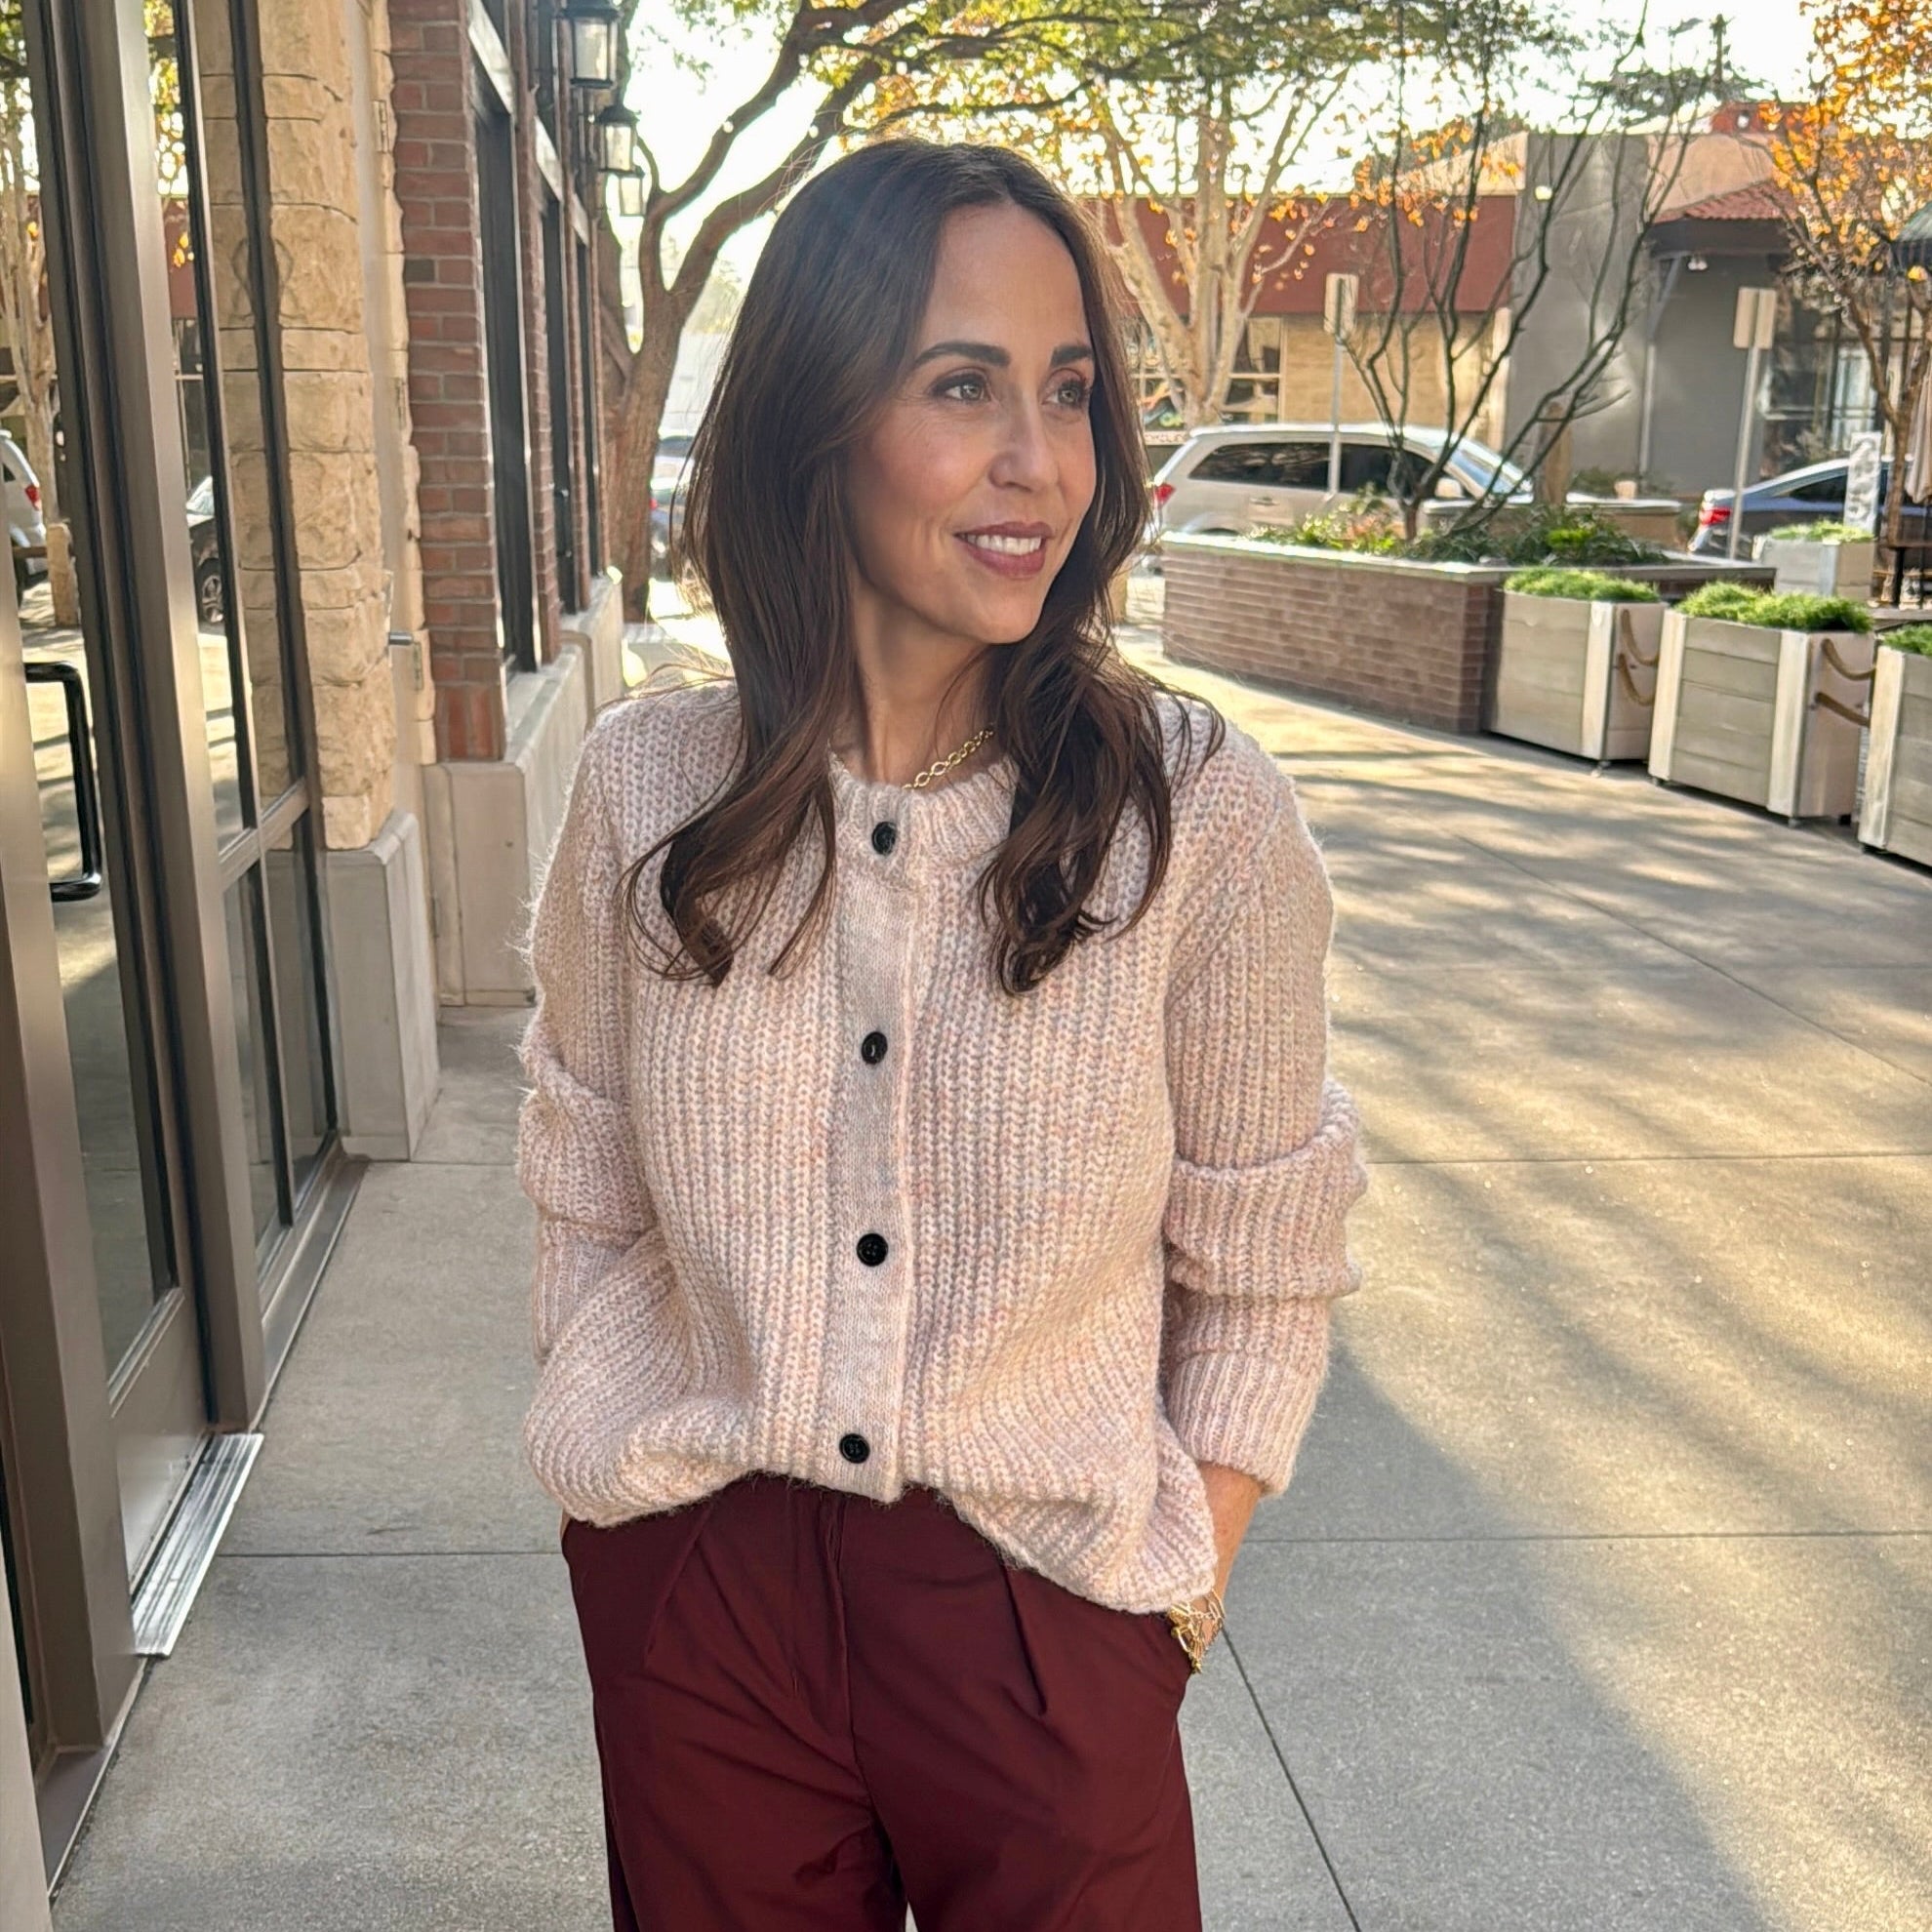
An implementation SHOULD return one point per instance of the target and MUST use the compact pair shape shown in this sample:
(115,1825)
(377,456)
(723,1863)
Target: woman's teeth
(1008,546)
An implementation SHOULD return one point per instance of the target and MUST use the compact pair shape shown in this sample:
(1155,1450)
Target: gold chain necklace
(945,765)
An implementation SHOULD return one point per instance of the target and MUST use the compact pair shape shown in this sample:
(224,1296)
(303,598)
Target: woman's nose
(1026,456)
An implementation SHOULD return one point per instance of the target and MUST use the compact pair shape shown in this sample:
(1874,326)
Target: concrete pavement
(1600,1599)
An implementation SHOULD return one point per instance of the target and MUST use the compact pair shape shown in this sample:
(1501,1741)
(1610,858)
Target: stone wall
(329,403)
(397,466)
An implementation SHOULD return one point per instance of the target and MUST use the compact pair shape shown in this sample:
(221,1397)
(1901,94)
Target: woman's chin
(1004,620)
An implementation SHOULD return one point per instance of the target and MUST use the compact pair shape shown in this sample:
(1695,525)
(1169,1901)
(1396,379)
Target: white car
(24,523)
(1222,481)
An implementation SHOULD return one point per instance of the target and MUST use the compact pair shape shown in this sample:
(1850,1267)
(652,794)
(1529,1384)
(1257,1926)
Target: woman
(941,1190)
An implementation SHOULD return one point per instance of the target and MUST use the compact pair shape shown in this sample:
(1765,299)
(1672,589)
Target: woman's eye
(969,388)
(1074,394)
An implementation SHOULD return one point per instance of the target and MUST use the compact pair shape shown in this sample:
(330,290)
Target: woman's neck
(915,707)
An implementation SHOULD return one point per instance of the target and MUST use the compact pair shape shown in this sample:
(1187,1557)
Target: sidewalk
(1599,1600)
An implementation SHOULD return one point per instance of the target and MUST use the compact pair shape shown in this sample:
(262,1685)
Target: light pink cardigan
(1106,1217)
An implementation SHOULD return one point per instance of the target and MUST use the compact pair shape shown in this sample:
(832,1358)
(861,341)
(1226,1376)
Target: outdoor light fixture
(616,140)
(594,32)
(630,195)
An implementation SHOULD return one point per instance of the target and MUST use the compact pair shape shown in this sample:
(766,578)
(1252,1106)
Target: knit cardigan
(874,1221)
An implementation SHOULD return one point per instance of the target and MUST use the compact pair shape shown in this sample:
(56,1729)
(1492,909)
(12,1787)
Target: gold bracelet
(1197,1626)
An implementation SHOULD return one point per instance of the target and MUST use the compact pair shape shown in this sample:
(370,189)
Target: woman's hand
(1232,1496)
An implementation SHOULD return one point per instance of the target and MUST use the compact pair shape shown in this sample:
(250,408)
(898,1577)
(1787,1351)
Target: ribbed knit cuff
(1250,1410)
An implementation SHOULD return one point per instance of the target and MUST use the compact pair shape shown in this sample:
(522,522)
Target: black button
(885,836)
(873,1049)
(854,1448)
(872,1249)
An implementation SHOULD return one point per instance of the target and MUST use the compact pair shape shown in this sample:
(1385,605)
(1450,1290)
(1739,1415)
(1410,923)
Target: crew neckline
(958,818)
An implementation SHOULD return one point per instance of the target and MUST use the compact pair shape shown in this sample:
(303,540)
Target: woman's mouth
(1012,552)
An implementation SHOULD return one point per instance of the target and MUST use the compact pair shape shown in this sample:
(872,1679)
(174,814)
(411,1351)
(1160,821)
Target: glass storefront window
(289,868)
(107,1046)
(241,905)
(243,565)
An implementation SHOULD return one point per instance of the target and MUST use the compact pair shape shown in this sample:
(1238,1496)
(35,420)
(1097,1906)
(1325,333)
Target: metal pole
(1744,451)
(1335,425)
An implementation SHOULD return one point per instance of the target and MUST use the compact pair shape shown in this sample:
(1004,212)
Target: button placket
(870,1311)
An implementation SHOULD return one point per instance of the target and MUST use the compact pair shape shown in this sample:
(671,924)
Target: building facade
(1667,402)
(303,305)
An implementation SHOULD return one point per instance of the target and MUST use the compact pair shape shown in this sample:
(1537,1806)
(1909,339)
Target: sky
(679,109)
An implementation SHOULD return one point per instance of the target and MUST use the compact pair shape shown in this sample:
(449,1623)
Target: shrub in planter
(1896,812)
(1821,557)
(1775,609)
(1549,534)
(1817,532)
(1589,586)
(1573,661)
(1361,523)
(1758,697)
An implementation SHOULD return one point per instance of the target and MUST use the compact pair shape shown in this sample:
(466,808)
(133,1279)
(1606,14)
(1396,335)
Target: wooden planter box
(1410,641)
(1898,762)
(1575,676)
(1827,570)
(1772,717)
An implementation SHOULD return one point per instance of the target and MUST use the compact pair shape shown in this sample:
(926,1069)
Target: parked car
(1216,481)
(27,526)
(1815,494)
(668,500)
(211,582)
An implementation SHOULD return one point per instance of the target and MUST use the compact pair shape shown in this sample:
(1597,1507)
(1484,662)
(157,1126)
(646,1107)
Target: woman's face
(969,492)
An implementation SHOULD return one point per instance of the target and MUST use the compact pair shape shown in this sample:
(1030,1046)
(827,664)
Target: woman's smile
(1011,549)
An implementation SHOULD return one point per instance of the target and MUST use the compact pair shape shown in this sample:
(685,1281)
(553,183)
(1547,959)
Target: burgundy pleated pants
(812,1707)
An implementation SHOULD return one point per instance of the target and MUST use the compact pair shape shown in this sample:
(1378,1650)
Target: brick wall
(532,192)
(435,158)
(1403,641)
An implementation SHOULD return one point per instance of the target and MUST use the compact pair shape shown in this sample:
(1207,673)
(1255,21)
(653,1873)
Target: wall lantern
(616,140)
(630,195)
(594,32)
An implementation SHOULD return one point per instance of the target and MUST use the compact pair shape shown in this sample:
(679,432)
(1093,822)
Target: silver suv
(1222,481)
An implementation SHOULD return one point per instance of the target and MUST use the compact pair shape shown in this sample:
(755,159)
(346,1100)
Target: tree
(1855,162)
(1470,229)
(864,65)
(1189,121)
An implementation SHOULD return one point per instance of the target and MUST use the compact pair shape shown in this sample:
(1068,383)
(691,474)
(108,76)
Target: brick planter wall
(1407,641)
(1402,640)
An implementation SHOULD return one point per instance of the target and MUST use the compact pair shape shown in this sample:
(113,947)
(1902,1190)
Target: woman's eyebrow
(992,352)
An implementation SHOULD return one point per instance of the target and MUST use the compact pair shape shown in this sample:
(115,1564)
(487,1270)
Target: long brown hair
(827,324)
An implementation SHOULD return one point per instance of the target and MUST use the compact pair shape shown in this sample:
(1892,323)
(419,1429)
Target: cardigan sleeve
(577,1155)
(1268,1158)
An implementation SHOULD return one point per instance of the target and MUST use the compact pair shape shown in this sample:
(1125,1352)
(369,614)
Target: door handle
(85,883)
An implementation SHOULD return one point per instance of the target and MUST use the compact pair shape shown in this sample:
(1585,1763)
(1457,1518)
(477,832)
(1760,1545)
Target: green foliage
(1362,522)
(1915,637)
(1772,609)
(1557,534)
(1728,599)
(1584,586)
(1820,533)
(1796,609)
